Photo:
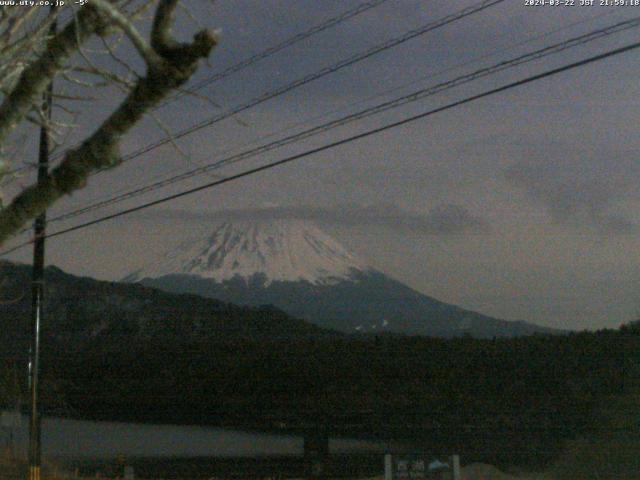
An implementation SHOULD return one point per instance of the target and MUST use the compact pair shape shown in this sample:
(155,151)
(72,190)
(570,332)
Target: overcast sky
(523,205)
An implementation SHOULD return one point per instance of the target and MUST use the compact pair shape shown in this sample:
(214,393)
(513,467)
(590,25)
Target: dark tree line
(506,401)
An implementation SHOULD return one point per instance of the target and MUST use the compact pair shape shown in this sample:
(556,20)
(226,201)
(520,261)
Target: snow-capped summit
(280,250)
(294,266)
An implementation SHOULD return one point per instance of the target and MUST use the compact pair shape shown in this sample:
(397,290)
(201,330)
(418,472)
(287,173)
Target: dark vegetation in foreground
(507,402)
(131,353)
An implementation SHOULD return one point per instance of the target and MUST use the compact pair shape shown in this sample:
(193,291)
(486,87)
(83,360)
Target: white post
(455,465)
(388,467)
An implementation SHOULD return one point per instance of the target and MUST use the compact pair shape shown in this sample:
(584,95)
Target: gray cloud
(583,189)
(247,24)
(542,138)
(445,219)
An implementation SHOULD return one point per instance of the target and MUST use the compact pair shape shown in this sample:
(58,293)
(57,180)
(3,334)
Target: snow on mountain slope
(281,250)
(304,272)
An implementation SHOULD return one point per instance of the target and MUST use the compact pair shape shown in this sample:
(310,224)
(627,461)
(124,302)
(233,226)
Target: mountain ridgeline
(84,311)
(114,351)
(298,268)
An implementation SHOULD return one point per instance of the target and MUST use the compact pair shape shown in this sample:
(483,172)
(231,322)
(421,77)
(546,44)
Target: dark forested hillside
(127,352)
(369,302)
(80,310)
(508,401)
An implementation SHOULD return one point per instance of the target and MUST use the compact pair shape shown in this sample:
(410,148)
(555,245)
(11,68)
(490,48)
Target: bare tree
(31,55)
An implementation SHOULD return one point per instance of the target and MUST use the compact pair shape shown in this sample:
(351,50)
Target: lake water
(77,438)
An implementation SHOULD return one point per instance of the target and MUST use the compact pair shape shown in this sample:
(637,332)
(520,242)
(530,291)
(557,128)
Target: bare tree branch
(178,62)
(145,50)
(35,78)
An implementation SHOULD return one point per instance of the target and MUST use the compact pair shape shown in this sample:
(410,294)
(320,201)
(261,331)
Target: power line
(380,94)
(331,22)
(465,12)
(309,78)
(395,103)
(205,169)
(455,67)
(478,7)
(344,141)
(276,48)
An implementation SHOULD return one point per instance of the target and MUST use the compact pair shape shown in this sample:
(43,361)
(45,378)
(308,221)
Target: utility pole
(37,289)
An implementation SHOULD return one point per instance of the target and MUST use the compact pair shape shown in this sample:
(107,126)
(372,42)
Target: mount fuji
(298,268)
(278,251)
